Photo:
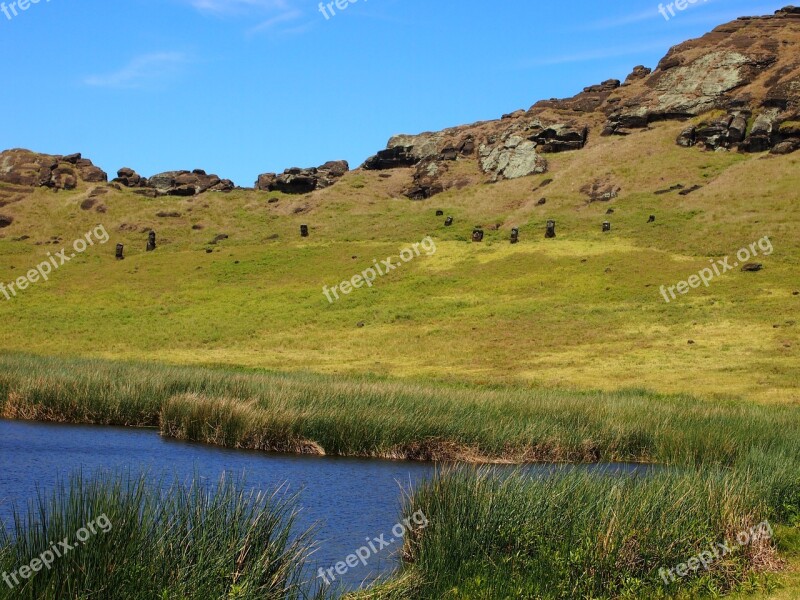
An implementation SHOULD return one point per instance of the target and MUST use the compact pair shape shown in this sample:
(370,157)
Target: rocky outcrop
(588,101)
(405,151)
(512,159)
(749,69)
(508,148)
(723,132)
(559,137)
(30,169)
(188,183)
(746,132)
(639,72)
(303,181)
(130,178)
(428,179)
(392,158)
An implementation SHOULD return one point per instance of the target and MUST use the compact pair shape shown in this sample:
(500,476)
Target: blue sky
(242,87)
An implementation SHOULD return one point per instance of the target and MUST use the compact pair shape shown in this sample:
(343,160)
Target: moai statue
(304,230)
(120,252)
(606,227)
(477,235)
(448,221)
(514,235)
(551,230)
(151,241)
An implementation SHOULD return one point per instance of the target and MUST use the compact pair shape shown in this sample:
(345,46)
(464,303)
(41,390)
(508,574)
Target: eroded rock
(512,159)
(130,178)
(303,181)
(32,169)
(188,183)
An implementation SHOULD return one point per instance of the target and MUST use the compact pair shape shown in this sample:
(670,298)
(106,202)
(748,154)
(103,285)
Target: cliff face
(745,76)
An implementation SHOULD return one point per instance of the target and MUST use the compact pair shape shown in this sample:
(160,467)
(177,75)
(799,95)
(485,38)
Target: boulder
(560,137)
(639,72)
(32,169)
(392,158)
(589,100)
(130,178)
(763,133)
(303,181)
(188,183)
(787,147)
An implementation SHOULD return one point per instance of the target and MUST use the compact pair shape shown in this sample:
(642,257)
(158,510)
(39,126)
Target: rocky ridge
(738,84)
(744,77)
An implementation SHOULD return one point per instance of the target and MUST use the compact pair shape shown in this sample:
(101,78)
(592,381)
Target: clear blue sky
(242,87)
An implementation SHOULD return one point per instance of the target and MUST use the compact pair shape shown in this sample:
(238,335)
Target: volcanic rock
(31,169)
(188,183)
(130,178)
(512,159)
(303,181)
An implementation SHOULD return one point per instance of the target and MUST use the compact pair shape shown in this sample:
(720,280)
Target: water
(348,499)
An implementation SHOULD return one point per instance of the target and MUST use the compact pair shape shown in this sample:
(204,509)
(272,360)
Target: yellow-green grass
(370,416)
(581,311)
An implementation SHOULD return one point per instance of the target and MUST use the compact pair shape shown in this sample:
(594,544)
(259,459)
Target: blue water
(347,499)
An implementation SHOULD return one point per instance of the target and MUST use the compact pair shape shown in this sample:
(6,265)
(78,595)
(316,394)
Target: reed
(362,416)
(181,541)
(579,535)
(725,466)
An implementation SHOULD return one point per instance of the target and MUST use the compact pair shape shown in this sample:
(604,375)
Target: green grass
(369,416)
(183,543)
(578,535)
(581,311)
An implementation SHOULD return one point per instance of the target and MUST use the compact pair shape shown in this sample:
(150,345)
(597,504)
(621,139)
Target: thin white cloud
(698,15)
(620,21)
(276,16)
(221,7)
(273,22)
(144,71)
(598,54)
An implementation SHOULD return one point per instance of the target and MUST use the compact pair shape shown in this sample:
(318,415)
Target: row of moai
(477,233)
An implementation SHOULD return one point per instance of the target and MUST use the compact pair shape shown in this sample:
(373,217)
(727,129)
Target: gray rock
(519,160)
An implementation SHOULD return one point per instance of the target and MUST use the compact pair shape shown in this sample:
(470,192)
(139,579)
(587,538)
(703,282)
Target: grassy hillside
(581,311)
